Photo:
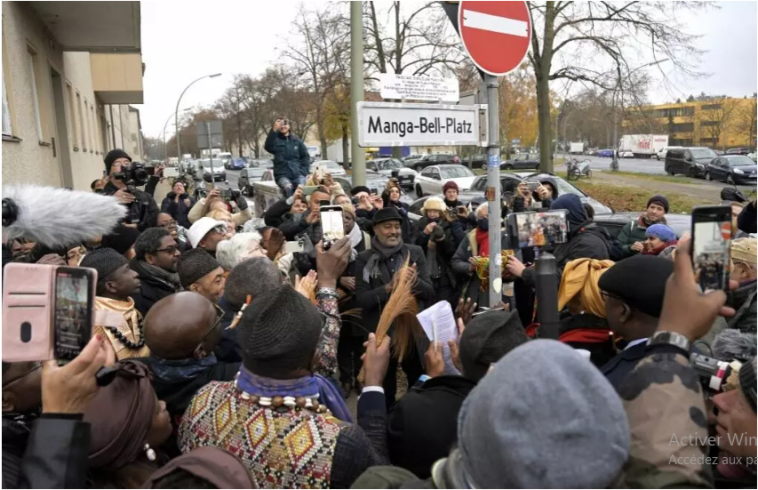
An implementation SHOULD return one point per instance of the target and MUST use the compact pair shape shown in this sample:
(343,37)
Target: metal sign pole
(493,190)
(210,155)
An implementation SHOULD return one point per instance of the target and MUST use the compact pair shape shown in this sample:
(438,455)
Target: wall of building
(27,157)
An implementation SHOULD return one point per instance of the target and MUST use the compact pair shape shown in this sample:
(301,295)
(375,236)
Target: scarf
(356,237)
(657,251)
(383,254)
(314,386)
(171,279)
(174,370)
(644,222)
(482,239)
(132,319)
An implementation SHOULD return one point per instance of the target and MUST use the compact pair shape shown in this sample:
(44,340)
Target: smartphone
(532,186)
(374,191)
(309,189)
(711,243)
(72,317)
(226,194)
(292,247)
(530,229)
(332,224)
(47,311)
(170,172)
(395,174)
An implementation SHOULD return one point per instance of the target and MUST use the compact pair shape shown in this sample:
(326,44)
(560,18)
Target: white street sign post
(396,124)
(414,87)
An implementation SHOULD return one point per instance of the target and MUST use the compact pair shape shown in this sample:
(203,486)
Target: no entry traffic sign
(496,35)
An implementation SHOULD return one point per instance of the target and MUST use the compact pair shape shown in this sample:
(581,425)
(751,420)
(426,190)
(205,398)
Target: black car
(521,162)
(247,177)
(738,151)
(434,159)
(688,161)
(475,161)
(732,169)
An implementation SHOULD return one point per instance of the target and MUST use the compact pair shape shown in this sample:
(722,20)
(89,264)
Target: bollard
(546,281)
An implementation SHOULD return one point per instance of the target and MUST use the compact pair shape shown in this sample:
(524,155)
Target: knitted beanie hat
(114,155)
(544,417)
(193,265)
(105,261)
(661,231)
(280,329)
(121,239)
(660,200)
(450,184)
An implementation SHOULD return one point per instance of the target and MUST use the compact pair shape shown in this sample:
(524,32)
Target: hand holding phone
(332,224)
(711,243)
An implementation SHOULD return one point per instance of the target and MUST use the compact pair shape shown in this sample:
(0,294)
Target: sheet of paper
(438,323)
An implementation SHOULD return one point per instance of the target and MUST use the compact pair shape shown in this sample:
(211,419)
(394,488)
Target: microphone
(732,344)
(57,217)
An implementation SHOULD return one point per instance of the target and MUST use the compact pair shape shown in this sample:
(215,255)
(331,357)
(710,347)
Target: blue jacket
(291,157)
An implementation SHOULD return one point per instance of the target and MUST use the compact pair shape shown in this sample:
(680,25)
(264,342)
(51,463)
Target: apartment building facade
(67,86)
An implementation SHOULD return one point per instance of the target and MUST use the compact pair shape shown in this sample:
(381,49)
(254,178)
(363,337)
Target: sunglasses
(213,327)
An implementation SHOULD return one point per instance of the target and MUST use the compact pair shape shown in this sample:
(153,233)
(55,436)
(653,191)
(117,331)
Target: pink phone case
(28,305)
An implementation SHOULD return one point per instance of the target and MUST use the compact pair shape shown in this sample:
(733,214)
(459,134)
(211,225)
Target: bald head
(175,325)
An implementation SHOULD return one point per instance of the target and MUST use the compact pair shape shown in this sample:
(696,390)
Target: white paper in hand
(438,323)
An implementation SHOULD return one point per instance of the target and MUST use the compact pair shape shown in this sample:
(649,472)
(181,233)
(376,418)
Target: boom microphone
(57,217)
(733,344)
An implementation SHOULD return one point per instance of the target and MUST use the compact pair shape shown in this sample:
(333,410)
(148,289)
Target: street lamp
(178,102)
(163,133)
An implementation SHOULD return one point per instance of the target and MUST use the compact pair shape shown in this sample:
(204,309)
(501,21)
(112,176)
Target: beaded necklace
(291,402)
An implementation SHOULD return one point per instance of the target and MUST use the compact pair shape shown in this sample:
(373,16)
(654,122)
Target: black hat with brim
(386,214)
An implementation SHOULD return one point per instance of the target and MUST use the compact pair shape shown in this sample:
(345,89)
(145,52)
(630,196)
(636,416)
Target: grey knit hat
(487,338)
(193,265)
(105,261)
(544,417)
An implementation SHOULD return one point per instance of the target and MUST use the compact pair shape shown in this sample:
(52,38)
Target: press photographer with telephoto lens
(124,176)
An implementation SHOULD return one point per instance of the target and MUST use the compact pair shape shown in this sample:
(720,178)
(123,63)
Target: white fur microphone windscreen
(733,344)
(60,217)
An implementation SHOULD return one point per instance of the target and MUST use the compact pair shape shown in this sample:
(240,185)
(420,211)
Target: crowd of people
(241,344)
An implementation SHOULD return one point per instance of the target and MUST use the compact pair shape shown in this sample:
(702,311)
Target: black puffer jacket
(445,249)
(291,157)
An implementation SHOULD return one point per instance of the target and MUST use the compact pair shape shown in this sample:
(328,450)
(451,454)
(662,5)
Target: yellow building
(70,71)
(716,122)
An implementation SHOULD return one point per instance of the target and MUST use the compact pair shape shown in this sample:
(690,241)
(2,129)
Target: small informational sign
(210,134)
(395,124)
(413,87)
(493,161)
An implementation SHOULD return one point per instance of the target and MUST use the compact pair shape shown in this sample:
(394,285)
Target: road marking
(494,23)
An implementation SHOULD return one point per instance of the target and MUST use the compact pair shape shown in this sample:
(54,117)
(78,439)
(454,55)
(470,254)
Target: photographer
(291,158)
(214,201)
(123,177)
(178,203)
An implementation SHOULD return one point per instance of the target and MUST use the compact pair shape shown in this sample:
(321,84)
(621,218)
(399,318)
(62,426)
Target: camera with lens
(134,175)
(715,375)
(229,194)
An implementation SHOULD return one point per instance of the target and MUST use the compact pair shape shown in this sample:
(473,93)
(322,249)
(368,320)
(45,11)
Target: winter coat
(291,157)
(50,452)
(371,295)
(239,218)
(143,210)
(746,221)
(444,250)
(178,210)
(631,232)
(743,300)
(152,289)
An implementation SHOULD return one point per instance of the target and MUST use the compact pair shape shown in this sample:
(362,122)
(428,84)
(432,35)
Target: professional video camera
(135,174)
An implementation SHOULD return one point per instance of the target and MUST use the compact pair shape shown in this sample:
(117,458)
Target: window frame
(32,62)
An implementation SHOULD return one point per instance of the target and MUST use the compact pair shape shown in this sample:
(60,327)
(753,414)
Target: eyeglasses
(222,229)
(168,224)
(219,319)
(172,249)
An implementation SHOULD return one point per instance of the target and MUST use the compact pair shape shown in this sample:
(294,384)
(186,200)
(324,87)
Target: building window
(87,125)
(7,126)
(711,107)
(709,123)
(683,127)
(95,131)
(81,121)
(72,116)
(35,91)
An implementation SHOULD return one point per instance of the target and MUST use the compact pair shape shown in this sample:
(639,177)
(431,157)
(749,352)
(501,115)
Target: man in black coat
(178,203)
(633,307)
(143,211)
(156,256)
(291,157)
(374,280)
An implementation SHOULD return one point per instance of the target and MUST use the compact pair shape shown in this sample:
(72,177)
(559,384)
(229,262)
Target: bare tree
(746,122)
(717,117)
(591,36)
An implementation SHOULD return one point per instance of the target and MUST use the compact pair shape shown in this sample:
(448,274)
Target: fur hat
(434,204)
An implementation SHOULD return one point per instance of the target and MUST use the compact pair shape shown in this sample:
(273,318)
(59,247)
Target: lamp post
(163,133)
(178,102)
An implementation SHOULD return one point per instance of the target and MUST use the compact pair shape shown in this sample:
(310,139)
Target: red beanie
(450,185)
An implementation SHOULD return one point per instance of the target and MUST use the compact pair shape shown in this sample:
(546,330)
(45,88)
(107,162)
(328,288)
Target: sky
(183,41)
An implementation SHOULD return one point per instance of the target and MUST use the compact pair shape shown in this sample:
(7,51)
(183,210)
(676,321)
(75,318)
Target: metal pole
(493,189)
(615,161)
(210,154)
(357,156)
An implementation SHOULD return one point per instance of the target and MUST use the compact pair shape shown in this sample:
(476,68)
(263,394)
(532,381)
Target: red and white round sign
(496,35)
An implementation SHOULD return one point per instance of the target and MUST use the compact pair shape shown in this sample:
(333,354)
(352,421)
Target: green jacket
(632,232)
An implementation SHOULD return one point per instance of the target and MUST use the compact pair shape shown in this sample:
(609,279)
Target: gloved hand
(242,203)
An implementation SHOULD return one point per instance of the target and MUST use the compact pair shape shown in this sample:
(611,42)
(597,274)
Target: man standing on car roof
(291,157)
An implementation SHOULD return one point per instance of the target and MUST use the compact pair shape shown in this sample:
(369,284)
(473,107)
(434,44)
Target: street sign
(395,124)
(496,35)
(412,87)
(210,130)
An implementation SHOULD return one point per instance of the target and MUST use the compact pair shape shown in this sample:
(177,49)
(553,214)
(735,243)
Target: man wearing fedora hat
(374,272)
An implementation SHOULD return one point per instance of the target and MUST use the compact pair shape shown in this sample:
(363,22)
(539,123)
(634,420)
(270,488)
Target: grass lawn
(654,177)
(626,198)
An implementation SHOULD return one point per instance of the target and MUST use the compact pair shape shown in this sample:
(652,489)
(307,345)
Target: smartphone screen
(532,186)
(537,229)
(331,223)
(711,241)
(73,311)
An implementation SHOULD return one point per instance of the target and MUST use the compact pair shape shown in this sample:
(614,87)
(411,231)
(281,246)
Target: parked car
(411,159)
(217,171)
(386,166)
(332,167)
(476,161)
(661,154)
(752,156)
(738,151)
(431,179)
(519,162)
(732,169)
(375,181)
(688,161)
(592,152)
(247,177)
(605,153)
(626,154)
(224,158)
(434,159)
(262,163)
(235,164)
